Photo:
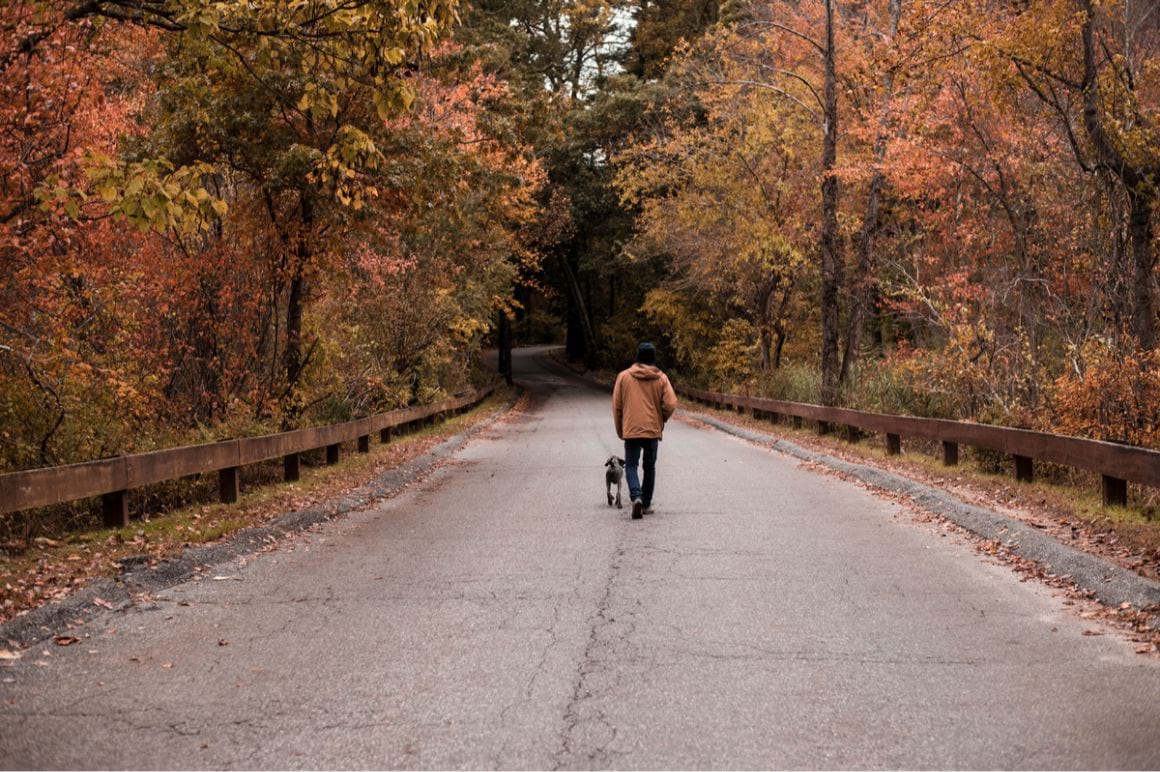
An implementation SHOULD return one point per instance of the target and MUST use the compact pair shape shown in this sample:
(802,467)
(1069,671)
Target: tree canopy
(222,217)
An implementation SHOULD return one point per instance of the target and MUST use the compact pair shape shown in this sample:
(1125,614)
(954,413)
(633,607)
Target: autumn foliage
(232,217)
(996,173)
(221,219)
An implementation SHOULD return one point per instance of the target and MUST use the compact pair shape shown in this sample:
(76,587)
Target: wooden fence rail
(1117,464)
(113,478)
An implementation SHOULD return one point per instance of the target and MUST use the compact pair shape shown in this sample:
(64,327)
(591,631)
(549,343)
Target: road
(501,615)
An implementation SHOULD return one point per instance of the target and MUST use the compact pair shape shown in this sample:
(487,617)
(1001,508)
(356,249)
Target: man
(642,401)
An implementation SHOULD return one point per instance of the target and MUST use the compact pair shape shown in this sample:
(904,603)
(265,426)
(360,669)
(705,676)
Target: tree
(720,191)
(1094,66)
(660,29)
(789,52)
(219,199)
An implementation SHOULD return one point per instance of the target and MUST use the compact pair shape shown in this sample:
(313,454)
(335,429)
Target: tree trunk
(862,283)
(292,357)
(1136,181)
(831,259)
(779,344)
(1143,306)
(578,315)
(505,347)
(297,300)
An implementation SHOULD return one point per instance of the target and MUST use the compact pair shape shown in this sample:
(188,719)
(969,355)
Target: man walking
(642,401)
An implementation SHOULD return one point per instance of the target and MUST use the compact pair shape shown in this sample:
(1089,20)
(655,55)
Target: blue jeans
(632,452)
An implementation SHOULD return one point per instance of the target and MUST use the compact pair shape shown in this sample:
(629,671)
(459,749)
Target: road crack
(587,737)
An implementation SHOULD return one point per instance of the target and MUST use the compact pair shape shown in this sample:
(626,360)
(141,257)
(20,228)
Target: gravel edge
(108,594)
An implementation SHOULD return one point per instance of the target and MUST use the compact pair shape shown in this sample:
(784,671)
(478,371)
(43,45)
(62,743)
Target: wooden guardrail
(1117,464)
(113,478)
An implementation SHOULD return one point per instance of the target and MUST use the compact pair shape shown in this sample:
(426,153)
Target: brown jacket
(642,400)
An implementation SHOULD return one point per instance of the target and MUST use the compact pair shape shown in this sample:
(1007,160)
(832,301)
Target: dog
(614,475)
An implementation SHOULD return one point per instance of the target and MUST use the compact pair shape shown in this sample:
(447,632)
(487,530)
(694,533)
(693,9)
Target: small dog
(614,475)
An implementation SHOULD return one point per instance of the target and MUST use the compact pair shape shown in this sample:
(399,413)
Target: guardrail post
(332,454)
(1115,491)
(823,427)
(229,485)
(853,434)
(1023,469)
(797,422)
(893,444)
(291,467)
(115,509)
(950,453)
(364,443)
(385,435)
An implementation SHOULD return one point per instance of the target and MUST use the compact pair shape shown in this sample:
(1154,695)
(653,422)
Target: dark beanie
(646,354)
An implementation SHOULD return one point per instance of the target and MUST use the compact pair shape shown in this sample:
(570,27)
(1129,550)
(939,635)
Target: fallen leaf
(102,603)
(6,654)
(1091,632)
(167,665)
(223,642)
(1145,649)
(66,640)
(226,578)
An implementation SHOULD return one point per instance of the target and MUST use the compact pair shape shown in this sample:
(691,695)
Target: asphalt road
(501,615)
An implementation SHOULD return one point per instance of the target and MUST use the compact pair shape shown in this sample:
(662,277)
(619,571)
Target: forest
(221,218)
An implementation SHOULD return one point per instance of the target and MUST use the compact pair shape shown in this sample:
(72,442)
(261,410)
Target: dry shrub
(1114,395)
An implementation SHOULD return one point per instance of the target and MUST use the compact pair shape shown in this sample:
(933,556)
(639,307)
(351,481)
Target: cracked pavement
(500,614)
